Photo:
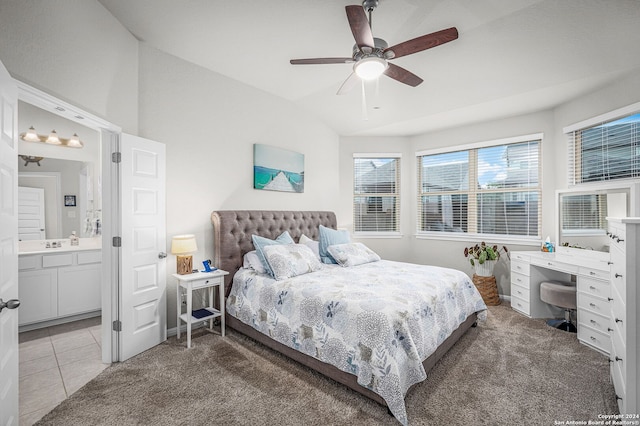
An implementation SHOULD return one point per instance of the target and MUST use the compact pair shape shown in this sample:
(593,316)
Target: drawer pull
(609,263)
(593,338)
(618,398)
(519,280)
(592,287)
(593,305)
(618,240)
(609,299)
(549,263)
(519,292)
(618,320)
(609,329)
(591,273)
(618,275)
(593,321)
(618,358)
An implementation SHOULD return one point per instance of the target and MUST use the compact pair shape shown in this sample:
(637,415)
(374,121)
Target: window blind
(376,194)
(605,151)
(491,189)
(584,214)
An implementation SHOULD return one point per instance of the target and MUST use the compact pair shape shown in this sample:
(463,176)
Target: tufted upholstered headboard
(232,230)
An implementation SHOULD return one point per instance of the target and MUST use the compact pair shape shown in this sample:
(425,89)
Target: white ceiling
(511,57)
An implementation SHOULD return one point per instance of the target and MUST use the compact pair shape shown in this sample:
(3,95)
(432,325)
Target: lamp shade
(183,244)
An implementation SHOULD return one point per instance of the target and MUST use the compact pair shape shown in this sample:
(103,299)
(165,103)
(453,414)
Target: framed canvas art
(277,169)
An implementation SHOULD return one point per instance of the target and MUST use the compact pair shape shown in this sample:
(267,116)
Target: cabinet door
(78,289)
(38,292)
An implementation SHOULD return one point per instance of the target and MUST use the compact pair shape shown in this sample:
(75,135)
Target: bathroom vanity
(58,284)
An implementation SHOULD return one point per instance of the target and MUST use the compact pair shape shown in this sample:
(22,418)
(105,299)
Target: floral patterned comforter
(378,321)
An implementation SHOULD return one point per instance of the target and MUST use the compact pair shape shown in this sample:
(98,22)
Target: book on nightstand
(201,313)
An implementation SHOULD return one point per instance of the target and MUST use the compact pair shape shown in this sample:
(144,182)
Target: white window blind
(605,151)
(376,194)
(485,190)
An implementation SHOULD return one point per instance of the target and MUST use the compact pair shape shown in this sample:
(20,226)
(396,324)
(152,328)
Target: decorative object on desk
(69,200)
(182,246)
(547,246)
(277,169)
(484,257)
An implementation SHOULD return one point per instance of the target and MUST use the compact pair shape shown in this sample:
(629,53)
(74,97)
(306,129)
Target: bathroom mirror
(582,214)
(43,186)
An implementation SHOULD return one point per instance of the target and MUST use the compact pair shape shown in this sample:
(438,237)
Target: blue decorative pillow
(260,242)
(331,237)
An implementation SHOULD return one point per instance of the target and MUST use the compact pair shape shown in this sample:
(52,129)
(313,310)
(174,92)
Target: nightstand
(197,281)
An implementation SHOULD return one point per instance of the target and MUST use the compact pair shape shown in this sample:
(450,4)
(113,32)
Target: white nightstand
(195,281)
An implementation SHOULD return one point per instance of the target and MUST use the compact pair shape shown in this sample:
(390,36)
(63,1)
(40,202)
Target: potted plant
(484,257)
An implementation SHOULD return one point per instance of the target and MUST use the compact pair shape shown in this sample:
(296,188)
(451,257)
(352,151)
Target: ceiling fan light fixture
(370,68)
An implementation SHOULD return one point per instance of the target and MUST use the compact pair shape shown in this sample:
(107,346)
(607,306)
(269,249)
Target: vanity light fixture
(53,139)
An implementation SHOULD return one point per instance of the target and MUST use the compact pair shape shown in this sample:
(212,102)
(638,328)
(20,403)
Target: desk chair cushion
(558,294)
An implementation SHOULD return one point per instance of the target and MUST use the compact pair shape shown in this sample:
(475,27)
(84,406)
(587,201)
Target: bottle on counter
(75,241)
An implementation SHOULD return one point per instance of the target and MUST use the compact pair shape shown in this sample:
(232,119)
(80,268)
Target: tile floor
(54,363)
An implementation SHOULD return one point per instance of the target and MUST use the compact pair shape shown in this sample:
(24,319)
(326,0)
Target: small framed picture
(69,200)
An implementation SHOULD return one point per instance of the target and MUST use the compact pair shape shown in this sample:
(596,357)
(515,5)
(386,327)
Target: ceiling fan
(371,55)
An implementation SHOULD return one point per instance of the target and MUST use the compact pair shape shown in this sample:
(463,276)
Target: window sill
(477,238)
(365,235)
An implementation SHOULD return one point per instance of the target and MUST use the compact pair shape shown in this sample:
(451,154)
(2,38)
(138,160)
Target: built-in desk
(590,270)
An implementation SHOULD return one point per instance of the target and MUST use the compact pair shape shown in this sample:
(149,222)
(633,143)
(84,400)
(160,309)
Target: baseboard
(183,329)
(58,321)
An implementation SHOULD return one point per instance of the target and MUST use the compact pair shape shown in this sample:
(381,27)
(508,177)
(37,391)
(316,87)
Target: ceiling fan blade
(360,26)
(348,84)
(424,42)
(402,75)
(315,61)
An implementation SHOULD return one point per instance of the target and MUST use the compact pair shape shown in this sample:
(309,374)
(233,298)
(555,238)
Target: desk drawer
(594,338)
(593,287)
(519,256)
(520,305)
(593,304)
(555,265)
(520,267)
(520,292)
(597,322)
(618,352)
(520,280)
(594,273)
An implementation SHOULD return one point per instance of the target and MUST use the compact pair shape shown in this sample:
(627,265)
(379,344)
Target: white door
(30,213)
(8,249)
(143,311)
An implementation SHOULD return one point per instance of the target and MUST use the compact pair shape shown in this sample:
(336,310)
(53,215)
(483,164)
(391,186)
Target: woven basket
(488,289)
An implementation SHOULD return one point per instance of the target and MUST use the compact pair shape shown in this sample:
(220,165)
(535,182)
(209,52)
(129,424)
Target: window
(376,193)
(491,188)
(605,150)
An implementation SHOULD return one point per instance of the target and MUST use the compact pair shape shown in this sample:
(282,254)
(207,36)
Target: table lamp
(182,246)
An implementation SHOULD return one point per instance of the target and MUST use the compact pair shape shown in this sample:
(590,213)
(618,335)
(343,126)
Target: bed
(232,239)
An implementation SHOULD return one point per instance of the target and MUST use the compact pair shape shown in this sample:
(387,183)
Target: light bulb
(370,68)
(31,135)
(53,138)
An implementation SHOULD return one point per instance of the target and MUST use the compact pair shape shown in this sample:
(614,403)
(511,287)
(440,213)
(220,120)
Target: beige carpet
(508,371)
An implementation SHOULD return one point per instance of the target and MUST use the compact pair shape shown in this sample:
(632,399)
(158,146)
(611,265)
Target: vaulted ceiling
(511,57)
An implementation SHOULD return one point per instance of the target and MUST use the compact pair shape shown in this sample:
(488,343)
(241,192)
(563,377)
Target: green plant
(482,252)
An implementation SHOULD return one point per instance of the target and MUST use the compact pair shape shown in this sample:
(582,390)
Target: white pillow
(352,254)
(290,260)
(252,261)
(313,245)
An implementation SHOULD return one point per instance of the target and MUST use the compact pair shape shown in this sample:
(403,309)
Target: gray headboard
(232,230)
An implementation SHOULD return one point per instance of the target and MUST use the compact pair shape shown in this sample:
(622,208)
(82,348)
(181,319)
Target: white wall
(209,124)
(74,50)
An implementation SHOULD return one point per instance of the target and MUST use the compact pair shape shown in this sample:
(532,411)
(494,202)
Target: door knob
(162,255)
(9,304)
